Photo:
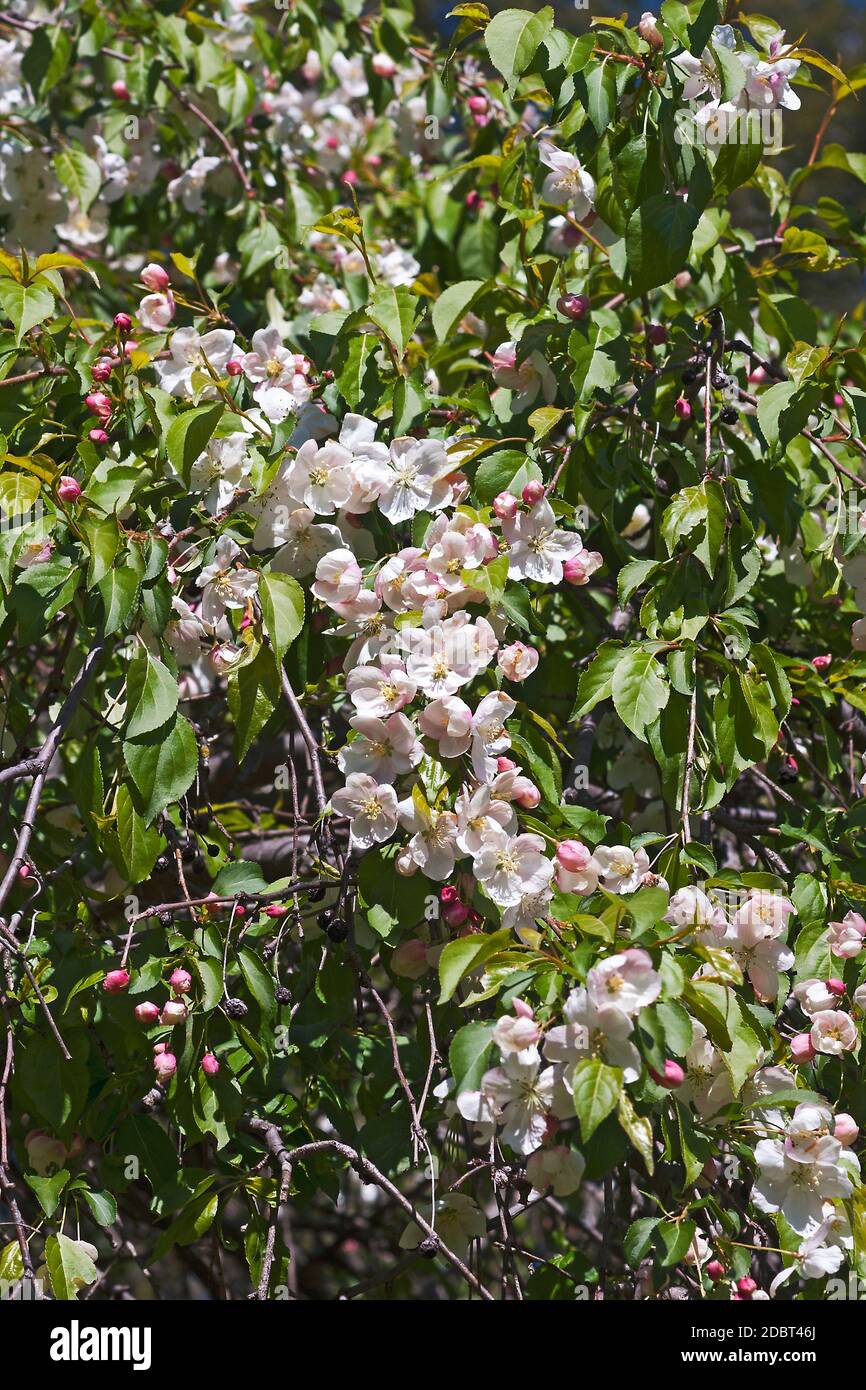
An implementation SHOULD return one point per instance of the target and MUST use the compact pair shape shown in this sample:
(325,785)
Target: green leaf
(658,239)
(784,409)
(151,695)
(162,765)
(393,310)
(467,953)
(120,589)
(70,1268)
(80,176)
(674,1237)
(596,682)
(597,1088)
(258,981)
(513,37)
(137,846)
(638,1239)
(253,695)
(640,691)
(189,434)
(469,1053)
(638,1128)
(26,305)
(48,1190)
(453,304)
(282,600)
(102,1206)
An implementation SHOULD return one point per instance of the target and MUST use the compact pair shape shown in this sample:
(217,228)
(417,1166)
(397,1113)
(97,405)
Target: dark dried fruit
(315,895)
(338,931)
(166,918)
(728,415)
(282,995)
(325,917)
(235,1008)
(162,863)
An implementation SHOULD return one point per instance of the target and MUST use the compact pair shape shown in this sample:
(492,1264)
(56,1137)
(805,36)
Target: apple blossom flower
(797,1189)
(165,1065)
(338,578)
(518,1095)
(191,353)
(568,183)
(700,75)
(371,807)
(690,906)
(156,311)
(708,1082)
(515,1034)
(579,567)
(222,585)
(477,812)
(459,1221)
(625,981)
(175,1011)
(489,735)
(380,691)
(621,868)
(517,661)
(189,187)
(319,477)
(591,1029)
(532,375)
(448,720)
(522,917)
(813,996)
(846,938)
(220,470)
(808,1131)
(433,845)
(414,478)
(558,1169)
(385,748)
(303,541)
(649,30)
(510,866)
(833,1032)
(577,871)
(537,547)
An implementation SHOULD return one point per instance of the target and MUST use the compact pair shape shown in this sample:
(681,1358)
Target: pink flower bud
(821,662)
(573,855)
(473,200)
(528,798)
(99,405)
(97,436)
(24,871)
(383,65)
(846,1129)
(477,105)
(649,30)
(102,369)
(522,1009)
(165,1065)
(175,1011)
(573,306)
(746,1287)
(533,493)
(505,506)
(578,568)
(234,367)
(209,1064)
(682,409)
(276,910)
(672,1076)
(836,986)
(159,1047)
(448,894)
(122,322)
(350,177)
(180,981)
(120,90)
(455,914)
(657,334)
(155,277)
(68,489)
(115,981)
(802,1050)
(146,1013)
(410,959)
(715,1270)
(505,764)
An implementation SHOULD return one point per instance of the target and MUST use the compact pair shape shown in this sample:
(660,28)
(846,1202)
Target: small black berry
(728,415)
(325,917)
(162,863)
(338,932)
(235,1008)
(282,995)
(315,895)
